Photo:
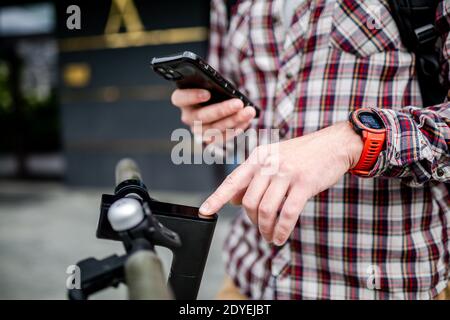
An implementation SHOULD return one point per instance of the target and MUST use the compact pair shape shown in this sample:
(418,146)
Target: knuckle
(302,173)
(272,161)
(240,116)
(222,110)
(264,227)
(228,106)
(185,118)
(290,214)
(231,106)
(286,167)
(201,115)
(264,210)
(185,121)
(249,203)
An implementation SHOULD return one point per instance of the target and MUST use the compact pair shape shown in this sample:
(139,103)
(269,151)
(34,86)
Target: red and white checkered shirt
(384,237)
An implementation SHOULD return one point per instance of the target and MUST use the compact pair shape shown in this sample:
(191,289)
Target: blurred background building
(72,103)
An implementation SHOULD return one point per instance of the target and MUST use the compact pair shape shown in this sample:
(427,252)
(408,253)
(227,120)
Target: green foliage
(5,95)
(39,119)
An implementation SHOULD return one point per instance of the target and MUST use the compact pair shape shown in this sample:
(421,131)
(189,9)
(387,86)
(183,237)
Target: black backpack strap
(229,5)
(416,22)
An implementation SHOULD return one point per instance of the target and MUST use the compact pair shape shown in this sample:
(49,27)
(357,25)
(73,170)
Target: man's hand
(275,182)
(229,114)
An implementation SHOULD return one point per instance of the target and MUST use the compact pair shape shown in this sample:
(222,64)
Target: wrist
(351,143)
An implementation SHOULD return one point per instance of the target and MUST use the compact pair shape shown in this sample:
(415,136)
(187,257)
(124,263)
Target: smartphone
(189,71)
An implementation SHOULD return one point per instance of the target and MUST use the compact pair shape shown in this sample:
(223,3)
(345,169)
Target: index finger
(236,181)
(189,97)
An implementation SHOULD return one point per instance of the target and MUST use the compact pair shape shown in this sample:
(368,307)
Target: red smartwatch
(370,127)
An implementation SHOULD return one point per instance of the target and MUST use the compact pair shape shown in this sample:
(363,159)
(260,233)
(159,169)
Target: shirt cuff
(404,145)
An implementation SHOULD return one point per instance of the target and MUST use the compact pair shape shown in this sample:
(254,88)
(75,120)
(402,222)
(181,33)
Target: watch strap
(373,145)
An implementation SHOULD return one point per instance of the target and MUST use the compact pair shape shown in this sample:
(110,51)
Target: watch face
(370,120)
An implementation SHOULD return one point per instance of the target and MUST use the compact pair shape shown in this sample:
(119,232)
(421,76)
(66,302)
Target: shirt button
(440,172)
(289,75)
(397,155)
(275,20)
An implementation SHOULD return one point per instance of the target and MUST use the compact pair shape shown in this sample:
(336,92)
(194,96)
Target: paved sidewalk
(45,227)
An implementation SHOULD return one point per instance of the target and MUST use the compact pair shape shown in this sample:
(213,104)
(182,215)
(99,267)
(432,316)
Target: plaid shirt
(384,237)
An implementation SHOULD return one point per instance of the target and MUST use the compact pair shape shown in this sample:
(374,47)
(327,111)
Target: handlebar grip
(145,278)
(127,169)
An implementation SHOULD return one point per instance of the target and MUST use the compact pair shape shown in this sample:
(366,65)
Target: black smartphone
(189,71)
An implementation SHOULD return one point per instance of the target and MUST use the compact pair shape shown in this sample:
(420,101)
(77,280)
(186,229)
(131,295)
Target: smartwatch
(371,128)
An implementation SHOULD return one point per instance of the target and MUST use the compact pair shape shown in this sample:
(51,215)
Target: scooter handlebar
(127,169)
(145,278)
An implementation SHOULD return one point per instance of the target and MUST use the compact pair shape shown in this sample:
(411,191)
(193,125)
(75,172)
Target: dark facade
(112,104)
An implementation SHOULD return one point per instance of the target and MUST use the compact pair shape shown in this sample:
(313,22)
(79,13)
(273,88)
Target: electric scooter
(140,222)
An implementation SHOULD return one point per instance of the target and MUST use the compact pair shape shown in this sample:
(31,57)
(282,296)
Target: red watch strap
(373,144)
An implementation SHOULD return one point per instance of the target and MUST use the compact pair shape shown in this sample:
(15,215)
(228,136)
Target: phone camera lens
(173,75)
(161,70)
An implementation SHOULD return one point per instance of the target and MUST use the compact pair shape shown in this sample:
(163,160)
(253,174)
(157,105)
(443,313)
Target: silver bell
(125,214)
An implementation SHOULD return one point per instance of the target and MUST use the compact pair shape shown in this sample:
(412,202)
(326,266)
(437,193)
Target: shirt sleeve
(418,139)
(417,145)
